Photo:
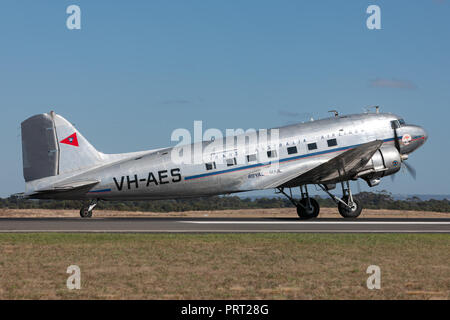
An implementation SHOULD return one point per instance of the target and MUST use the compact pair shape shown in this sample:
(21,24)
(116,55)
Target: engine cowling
(386,161)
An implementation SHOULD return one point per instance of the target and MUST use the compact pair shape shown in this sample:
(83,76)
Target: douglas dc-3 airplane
(59,163)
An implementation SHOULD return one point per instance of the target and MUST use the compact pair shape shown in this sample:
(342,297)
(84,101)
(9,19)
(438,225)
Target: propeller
(408,167)
(396,143)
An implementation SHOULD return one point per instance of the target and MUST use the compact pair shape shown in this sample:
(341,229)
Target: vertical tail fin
(52,146)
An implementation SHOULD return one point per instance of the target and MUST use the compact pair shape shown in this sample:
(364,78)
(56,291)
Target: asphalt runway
(223,225)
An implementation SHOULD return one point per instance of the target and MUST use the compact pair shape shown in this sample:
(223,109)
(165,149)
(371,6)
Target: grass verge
(224,266)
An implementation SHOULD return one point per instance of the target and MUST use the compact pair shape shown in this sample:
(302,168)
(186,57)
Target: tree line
(370,200)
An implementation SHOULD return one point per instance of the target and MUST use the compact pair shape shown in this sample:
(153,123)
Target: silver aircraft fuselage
(154,175)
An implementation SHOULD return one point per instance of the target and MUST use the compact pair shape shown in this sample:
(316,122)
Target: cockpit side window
(402,122)
(395,124)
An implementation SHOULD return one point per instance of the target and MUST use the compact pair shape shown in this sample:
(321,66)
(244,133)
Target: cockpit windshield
(395,124)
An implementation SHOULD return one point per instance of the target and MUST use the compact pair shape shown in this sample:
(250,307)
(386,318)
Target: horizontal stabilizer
(68,188)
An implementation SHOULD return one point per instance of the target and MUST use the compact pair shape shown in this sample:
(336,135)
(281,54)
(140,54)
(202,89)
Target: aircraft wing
(342,167)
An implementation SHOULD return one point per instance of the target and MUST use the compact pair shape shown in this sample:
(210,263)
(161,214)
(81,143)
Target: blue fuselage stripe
(100,191)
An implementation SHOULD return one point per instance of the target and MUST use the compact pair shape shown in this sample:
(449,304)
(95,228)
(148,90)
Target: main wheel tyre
(353,212)
(307,212)
(85,213)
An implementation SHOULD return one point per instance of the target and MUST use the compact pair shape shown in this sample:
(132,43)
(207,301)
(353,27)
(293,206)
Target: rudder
(52,146)
(39,147)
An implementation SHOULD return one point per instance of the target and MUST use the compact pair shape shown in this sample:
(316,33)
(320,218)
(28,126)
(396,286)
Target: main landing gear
(307,208)
(87,208)
(348,206)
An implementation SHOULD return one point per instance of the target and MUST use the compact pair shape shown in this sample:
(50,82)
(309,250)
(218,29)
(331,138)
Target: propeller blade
(411,170)
(393,177)
(396,143)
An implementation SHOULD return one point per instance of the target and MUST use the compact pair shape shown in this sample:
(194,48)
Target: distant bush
(370,200)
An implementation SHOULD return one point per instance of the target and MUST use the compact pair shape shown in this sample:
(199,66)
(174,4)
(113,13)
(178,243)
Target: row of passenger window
(312,146)
(270,154)
(330,142)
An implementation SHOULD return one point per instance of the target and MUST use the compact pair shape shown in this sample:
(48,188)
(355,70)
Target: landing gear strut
(307,208)
(348,206)
(86,209)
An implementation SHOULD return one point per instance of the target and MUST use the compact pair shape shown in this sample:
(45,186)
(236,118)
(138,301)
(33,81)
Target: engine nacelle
(386,161)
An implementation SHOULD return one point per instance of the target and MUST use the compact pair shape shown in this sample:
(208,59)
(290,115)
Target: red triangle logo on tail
(71,140)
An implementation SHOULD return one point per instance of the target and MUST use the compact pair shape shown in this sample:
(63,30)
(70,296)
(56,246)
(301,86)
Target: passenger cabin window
(271,154)
(210,165)
(312,146)
(292,150)
(231,162)
(251,157)
(332,142)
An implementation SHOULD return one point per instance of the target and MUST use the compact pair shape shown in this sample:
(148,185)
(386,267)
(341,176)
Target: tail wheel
(308,211)
(85,212)
(350,212)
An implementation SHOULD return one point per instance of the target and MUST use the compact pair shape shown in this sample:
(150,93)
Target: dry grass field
(224,266)
(247,213)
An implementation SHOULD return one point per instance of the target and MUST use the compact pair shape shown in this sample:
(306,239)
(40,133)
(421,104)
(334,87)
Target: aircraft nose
(422,134)
(413,138)
(425,134)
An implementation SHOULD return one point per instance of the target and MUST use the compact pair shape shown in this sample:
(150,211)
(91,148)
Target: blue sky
(137,70)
